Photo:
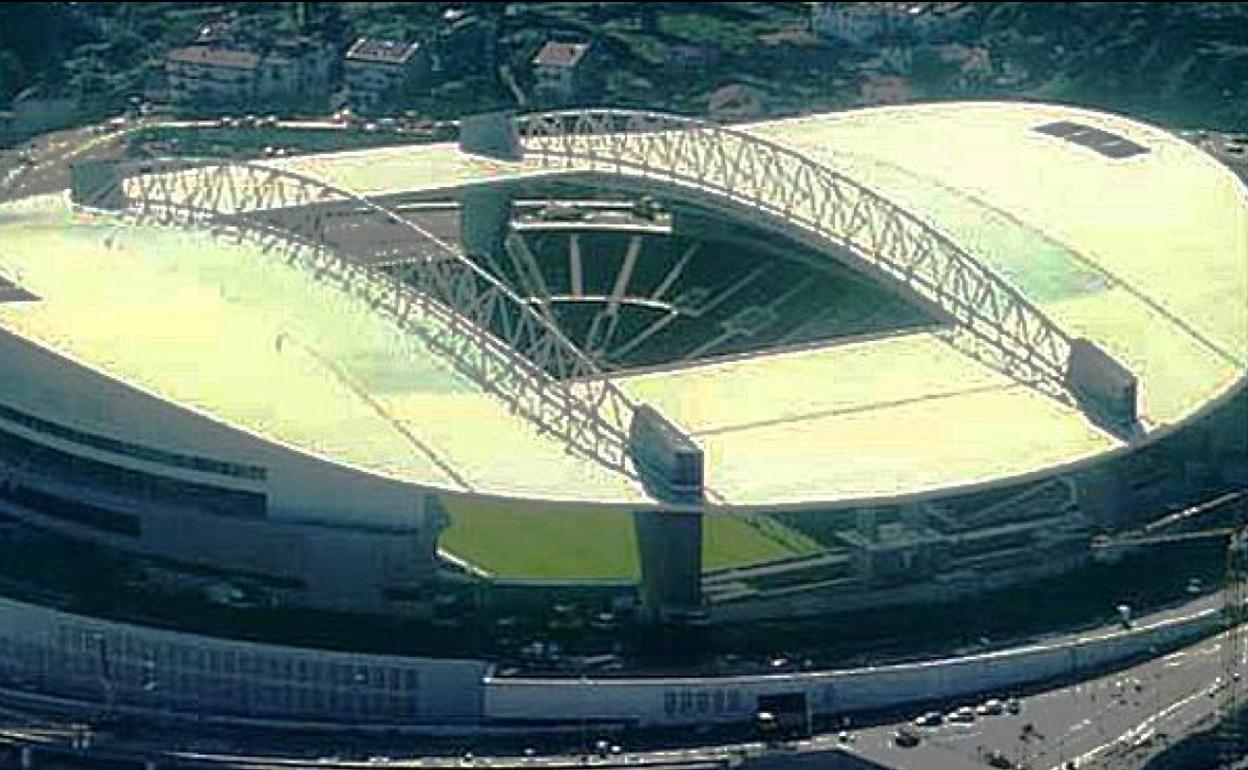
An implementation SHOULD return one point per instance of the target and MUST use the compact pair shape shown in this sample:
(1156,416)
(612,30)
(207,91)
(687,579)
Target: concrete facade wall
(345,533)
(733,699)
(127,666)
(133,667)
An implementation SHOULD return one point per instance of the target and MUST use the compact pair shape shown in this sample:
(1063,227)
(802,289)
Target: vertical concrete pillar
(669,542)
(1105,389)
(866,521)
(434,520)
(669,545)
(96,184)
(484,219)
(492,134)
(1104,497)
(1228,438)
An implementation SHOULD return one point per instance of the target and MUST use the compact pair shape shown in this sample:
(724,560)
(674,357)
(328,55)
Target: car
(990,708)
(930,719)
(270,121)
(996,759)
(1233,149)
(1013,705)
(906,738)
(963,715)
(370,127)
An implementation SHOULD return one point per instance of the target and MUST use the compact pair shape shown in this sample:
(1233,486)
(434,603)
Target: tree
(12,76)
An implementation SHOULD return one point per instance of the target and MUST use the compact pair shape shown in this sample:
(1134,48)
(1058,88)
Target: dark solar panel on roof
(1108,144)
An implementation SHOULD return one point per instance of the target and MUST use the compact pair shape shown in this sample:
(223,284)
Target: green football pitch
(597,545)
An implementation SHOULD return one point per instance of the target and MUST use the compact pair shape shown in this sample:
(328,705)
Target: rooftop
(1092,240)
(557,54)
(209,56)
(1146,255)
(344,383)
(382,51)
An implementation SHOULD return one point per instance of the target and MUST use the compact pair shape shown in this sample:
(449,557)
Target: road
(47,169)
(1116,721)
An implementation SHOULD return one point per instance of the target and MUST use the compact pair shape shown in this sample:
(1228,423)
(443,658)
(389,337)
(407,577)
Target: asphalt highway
(1116,721)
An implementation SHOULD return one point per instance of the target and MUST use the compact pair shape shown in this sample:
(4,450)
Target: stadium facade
(798,367)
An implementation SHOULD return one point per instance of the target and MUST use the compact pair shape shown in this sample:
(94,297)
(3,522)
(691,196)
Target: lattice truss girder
(994,320)
(432,290)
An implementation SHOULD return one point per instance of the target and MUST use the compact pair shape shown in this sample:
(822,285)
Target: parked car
(963,715)
(930,719)
(997,759)
(906,738)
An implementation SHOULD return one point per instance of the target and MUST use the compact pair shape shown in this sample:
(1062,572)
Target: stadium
(644,368)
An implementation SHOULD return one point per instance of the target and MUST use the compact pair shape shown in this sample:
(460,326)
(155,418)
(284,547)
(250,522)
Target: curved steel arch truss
(994,322)
(434,292)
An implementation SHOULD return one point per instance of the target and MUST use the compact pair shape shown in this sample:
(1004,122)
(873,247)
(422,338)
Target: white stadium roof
(1145,255)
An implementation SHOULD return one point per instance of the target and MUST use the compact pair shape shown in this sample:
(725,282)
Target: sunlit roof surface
(1145,254)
